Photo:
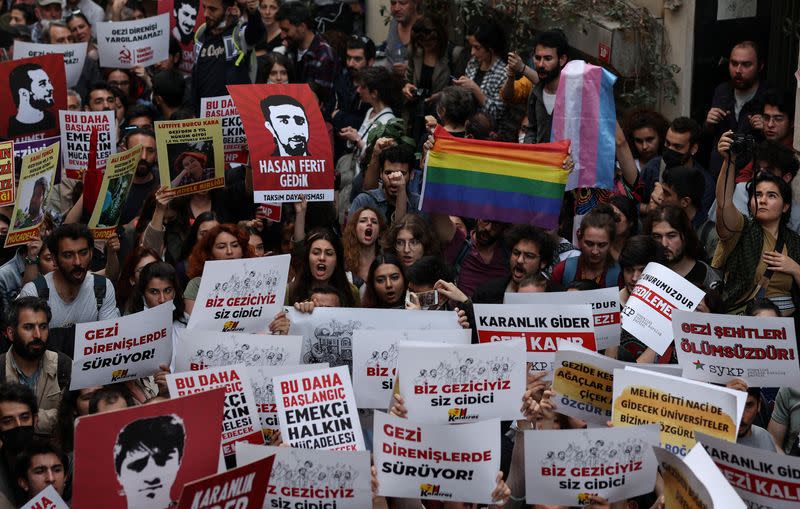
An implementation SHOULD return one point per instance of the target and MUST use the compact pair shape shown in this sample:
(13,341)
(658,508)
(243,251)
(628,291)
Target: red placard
(32,90)
(604,53)
(184,34)
(240,487)
(142,456)
(290,149)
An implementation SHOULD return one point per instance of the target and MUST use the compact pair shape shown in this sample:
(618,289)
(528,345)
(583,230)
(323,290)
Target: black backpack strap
(42,290)
(99,292)
(64,371)
(3,367)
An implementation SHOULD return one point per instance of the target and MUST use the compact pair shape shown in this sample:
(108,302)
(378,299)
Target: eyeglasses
(116,83)
(76,12)
(412,243)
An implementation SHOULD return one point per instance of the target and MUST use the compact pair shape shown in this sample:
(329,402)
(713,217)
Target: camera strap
(764,281)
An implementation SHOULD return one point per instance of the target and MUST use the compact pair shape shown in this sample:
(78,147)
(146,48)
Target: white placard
(541,326)
(446,384)
(438,462)
(761,478)
(48,498)
(328,332)
(605,309)
(122,349)
(233,136)
(648,313)
(567,466)
(76,133)
(74,56)
(682,488)
(317,410)
(681,406)
(375,360)
(316,478)
(200,349)
(718,348)
(135,43)
(240,295)
(240,420)
(717,485)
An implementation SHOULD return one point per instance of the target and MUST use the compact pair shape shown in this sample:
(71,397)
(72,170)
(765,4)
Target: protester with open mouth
(361,242)
(323,264)
(386,284)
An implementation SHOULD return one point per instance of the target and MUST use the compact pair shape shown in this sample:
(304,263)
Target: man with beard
(670,226)
(223,48)
(478,256)
(287,122)
(531,250)
(73,297)
(314,59)
(185,12)
(29,363)
(549,57)
(145,179)
(350,109)
(736,104)
(32,92)
(396,163)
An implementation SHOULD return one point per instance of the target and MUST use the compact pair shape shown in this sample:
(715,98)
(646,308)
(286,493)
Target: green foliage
(655,77)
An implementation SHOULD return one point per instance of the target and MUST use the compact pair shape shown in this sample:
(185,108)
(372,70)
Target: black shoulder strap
(99,292)
(42,290)
(3,368)
(64,370)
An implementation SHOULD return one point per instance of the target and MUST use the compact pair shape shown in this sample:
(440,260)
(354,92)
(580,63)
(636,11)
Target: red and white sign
(135,43)
(233,138)
(540,325)
(32,91)
(76,133)
(317,410)
(290,148)
(241,416)
(238,488)
(648,313)
(48,498)
(118,454)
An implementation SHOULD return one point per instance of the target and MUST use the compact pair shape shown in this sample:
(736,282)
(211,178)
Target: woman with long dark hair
(486,70)
(322,264)
(131,268)
(386,284)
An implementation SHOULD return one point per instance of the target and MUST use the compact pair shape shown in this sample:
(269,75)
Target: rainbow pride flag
(493,180)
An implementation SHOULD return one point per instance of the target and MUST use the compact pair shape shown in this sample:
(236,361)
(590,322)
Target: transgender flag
(585,114)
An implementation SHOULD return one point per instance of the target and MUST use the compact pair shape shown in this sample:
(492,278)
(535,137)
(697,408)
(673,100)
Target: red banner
(142,456)
(290,149)
(33,90)
(240,487)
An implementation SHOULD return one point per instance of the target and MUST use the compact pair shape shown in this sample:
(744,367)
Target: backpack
(63,372)
(236,38)
(62,339)
(571,268)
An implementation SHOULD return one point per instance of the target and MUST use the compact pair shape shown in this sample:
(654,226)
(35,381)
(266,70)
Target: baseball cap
(42,3)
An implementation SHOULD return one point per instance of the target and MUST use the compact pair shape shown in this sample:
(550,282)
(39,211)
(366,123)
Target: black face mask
(15,439)
(672,158)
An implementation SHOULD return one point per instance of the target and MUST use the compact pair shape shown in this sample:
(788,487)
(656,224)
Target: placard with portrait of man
(143,456)
(32,90)
(290,148)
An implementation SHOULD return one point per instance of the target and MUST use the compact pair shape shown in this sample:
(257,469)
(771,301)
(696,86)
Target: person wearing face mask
(45,372)
(680,147)
(18,417)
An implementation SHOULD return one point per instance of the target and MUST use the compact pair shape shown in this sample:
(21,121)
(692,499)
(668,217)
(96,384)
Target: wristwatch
(31,261)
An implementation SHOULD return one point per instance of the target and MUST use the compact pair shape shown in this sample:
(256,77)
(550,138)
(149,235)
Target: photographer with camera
(762,245)
(736,104)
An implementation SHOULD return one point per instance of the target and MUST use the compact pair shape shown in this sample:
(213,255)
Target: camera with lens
(742,144)
(421,93)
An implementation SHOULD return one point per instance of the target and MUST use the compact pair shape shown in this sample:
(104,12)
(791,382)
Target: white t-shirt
(549,102)
(741,99)
(83,309)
